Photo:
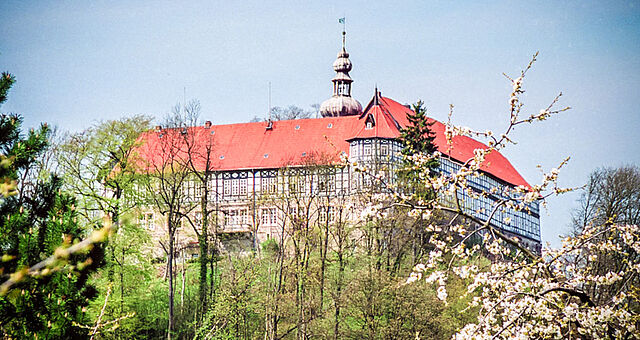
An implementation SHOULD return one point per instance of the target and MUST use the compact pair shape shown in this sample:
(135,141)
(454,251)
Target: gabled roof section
(313,141)
(461,147)
(384,125)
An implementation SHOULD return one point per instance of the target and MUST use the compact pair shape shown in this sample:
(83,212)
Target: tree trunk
(170,274)
(204,250)
(122,284)
(323,260)
(338,297)
(183,283)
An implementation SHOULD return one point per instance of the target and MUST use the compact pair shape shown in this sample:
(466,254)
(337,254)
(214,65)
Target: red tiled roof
(303,141)
(461,148)
(383,125)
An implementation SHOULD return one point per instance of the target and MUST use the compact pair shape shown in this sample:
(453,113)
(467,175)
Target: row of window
(367,148)
(240,216)
(520,222)
(235,185)
(239,187)
(236,216)
(526,223)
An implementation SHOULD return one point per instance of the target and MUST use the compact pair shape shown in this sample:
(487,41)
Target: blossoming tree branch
(518,293)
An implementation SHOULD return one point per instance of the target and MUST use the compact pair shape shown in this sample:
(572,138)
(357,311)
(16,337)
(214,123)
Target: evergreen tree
(36,218)
(417,138)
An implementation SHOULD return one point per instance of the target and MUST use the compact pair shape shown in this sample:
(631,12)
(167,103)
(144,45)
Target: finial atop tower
(344,31)
(341,103)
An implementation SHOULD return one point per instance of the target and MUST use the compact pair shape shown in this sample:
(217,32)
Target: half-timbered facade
(259,173)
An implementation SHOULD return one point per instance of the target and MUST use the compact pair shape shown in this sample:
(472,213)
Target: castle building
(254,166)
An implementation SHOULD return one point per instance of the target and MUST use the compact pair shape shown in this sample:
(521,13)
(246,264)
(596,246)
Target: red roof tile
(297,142)
(462,147)
(383,125)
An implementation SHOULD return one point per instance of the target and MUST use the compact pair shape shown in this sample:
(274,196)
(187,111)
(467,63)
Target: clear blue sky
(79,62)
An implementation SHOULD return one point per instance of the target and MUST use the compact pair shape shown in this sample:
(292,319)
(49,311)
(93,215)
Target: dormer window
(369,123)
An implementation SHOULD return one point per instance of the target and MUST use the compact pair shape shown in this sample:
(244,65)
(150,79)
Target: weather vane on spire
(344,29)
(341,103)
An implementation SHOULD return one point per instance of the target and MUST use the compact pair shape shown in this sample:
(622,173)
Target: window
(146,221)
(191,189)
(269,216)
(369,125)
(367,181)
(293,214)
(244,216)
(235,187)
(384,150)
(243,187)
(227,188)
(236,216)
(294,185)
(230,217)
(327,183)
(367,149)
(343,89)
(211,185)
(326,213)
(269,185)
(298,183)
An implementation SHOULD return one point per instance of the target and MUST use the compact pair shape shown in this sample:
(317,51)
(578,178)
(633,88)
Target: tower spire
(341,103)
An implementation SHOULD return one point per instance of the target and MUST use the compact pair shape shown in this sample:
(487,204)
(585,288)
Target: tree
(419,152)
(523,294)
(47,264)
(98,166)
(612,195)
(418,138)
(288,113)
(164,172)
(199,144)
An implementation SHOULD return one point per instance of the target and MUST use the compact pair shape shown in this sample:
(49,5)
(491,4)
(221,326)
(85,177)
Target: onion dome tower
(341,103)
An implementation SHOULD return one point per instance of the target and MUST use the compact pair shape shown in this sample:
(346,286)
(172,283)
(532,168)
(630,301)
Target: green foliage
(270,247)
(237,311)
(6,82)
(101,157)
(375,303)
(34,221)
(130,279)
(98,158)
(417,139)
(30,231)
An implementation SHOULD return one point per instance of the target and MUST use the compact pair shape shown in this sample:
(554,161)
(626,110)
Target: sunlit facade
(259,168)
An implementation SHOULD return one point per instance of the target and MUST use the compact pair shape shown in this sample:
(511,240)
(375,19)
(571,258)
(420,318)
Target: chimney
(158,128)
(207,124)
